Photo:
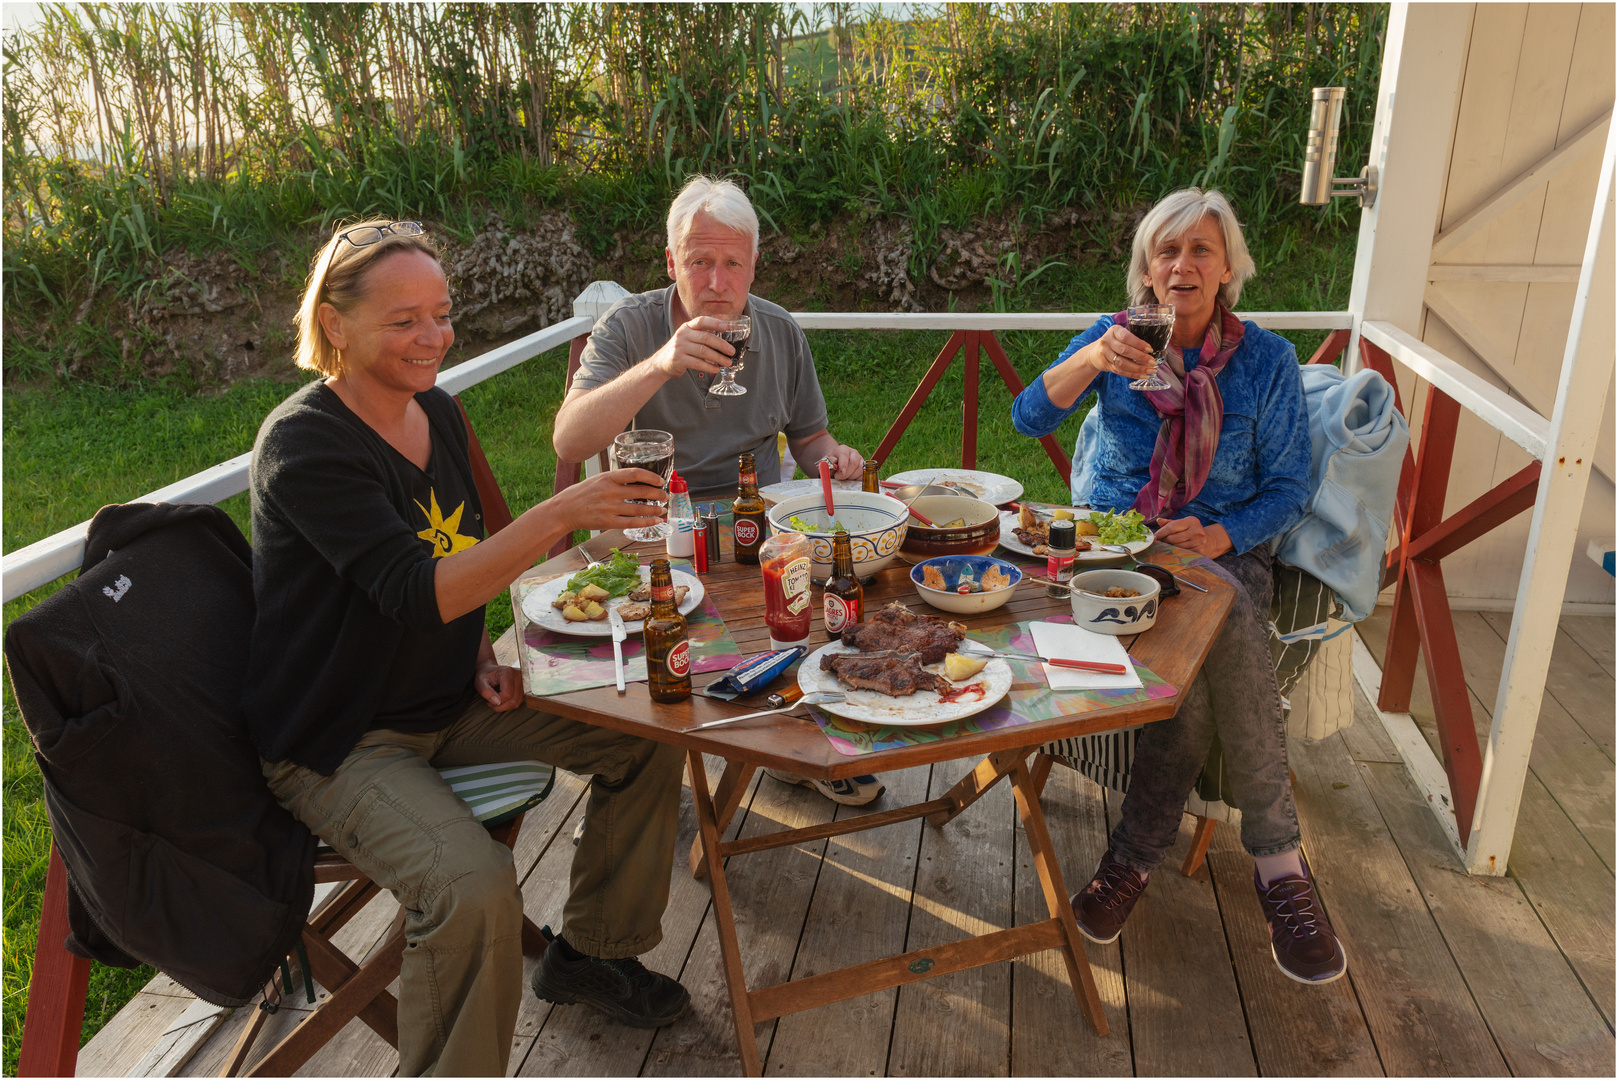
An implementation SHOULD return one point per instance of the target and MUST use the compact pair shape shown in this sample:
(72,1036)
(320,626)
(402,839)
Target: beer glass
(653,451)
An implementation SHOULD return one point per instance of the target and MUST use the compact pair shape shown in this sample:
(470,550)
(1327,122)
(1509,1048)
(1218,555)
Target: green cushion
(500,791)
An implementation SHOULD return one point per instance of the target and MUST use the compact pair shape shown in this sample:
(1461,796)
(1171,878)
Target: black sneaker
(1301,940)
(1102,906)
(623,989)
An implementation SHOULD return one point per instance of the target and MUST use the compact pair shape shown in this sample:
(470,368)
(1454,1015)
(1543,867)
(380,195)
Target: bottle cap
(1062,535)
(677,483)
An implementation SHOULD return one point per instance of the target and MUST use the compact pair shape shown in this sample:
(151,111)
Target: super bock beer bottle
(668,653)
(747,518)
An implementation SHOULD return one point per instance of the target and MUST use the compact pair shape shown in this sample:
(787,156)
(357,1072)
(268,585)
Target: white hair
(721,200)
(1174,216)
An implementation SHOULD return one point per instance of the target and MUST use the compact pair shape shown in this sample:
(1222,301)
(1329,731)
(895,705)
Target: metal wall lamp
(1320,155)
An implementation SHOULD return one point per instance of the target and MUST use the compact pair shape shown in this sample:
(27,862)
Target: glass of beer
(653,451)
(738,329)
(1153,324)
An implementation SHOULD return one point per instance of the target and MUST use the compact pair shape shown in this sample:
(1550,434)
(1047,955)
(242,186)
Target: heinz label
(679,660)
(746,532)
(795,583)
(840,614)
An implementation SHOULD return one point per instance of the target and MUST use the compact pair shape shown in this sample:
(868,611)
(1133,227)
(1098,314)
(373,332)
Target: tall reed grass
(130,129)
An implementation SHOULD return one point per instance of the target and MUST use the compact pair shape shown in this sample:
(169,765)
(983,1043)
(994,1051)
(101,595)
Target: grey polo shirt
(783,393)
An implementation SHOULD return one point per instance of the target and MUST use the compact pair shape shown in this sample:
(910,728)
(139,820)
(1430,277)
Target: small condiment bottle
(1059,559)
(699,544)
(712,520)
(868,477)
(680,516)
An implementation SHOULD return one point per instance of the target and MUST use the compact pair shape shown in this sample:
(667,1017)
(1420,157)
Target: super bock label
(746,532)
(679,660)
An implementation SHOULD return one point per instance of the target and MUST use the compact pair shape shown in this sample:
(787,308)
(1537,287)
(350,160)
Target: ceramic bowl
(979,536)
(875,524)
(1094,610)
(951,567)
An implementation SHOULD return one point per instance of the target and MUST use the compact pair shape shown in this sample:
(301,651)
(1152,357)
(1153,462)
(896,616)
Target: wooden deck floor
(1448,974)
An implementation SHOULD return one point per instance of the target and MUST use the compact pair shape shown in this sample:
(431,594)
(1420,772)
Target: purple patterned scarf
(1193,411)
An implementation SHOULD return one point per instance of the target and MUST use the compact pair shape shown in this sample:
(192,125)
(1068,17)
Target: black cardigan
(341,577)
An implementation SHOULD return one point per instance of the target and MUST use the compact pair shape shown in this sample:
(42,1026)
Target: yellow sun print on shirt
(441,532)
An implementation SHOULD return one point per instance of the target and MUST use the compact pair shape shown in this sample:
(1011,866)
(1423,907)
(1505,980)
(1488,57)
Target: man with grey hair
(652,358)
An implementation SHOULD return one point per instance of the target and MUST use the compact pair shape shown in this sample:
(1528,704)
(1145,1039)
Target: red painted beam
(1332,347)
(1485,513)
(946,356)
(969,404)
(1452,702)
(55,1017)
(1380,362)
(1399,659)
(1008,375)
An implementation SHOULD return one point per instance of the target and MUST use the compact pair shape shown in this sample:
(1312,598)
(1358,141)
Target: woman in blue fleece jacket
(1219,462)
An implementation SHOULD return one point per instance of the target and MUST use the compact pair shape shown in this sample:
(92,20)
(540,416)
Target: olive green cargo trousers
(388,812)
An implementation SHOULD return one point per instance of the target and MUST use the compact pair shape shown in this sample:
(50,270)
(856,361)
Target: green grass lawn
(72,448)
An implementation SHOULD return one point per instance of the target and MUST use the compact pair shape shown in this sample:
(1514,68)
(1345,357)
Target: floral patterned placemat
(1029,701)
(553,663)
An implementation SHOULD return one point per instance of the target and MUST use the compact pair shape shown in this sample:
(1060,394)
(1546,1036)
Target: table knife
(1054,661)
(619,633)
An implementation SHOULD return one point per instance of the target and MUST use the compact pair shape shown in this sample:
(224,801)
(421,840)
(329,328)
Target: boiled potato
(1085,527)
(564,600)
(1061,515)
(593,592)
(574,613)
(958,667)
(594,611)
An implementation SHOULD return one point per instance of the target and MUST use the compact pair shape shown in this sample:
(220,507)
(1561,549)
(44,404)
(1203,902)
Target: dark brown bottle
(868,478)
(843,602)
(747,518)
(668,651)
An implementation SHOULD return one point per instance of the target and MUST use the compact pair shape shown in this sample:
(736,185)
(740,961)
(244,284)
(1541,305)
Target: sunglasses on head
(366,235)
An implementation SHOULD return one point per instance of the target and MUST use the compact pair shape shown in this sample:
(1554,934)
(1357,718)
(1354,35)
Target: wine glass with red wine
(1153,324)
(738,329)
(653,451)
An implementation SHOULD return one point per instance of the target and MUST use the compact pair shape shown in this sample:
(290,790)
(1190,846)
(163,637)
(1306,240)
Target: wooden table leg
(1199,846)
(724,919)
(727,797)
(1050,879)
(972,786)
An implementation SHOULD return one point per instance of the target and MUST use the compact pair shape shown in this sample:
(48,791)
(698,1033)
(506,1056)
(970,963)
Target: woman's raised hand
(1121,353)
(1192,535)
(602,501)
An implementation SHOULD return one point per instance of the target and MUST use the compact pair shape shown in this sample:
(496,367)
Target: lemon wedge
(958,667)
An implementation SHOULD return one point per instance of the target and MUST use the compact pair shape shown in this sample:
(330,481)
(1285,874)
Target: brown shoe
(1102,906)
(1301,940)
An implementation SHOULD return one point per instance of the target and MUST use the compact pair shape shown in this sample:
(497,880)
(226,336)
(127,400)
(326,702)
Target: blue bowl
(952,566)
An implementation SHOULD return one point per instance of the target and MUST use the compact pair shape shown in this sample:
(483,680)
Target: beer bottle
(843,602)
(747,520)
(868,477)
(668,653)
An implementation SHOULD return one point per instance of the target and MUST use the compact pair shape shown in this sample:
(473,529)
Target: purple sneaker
(1301,940)
(1102,906)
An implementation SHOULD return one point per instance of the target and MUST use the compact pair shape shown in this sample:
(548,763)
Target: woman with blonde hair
(371,669)
(1218,462)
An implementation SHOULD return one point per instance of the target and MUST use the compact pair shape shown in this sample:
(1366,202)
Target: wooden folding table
(1174,649)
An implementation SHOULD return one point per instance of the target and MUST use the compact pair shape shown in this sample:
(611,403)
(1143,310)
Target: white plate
(920,709)
(1009,541)
(988,486)
(786,489)
(537,605)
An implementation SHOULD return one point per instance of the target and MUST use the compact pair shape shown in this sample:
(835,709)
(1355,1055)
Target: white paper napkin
(1076,643)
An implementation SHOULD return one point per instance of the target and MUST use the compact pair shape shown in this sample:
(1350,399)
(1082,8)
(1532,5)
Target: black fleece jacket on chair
(130,679)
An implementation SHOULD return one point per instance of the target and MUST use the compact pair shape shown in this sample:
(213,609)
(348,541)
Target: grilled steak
(892,673)
(898,629)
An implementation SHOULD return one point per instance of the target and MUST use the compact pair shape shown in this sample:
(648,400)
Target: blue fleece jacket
(1259,482)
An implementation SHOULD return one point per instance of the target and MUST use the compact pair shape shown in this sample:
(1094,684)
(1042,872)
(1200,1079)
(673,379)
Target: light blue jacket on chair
(1357,444)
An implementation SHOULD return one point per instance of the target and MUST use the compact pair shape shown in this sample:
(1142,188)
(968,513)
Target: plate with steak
(895,687)
(898,629)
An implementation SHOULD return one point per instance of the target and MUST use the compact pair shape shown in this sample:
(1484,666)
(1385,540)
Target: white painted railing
(48,559)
